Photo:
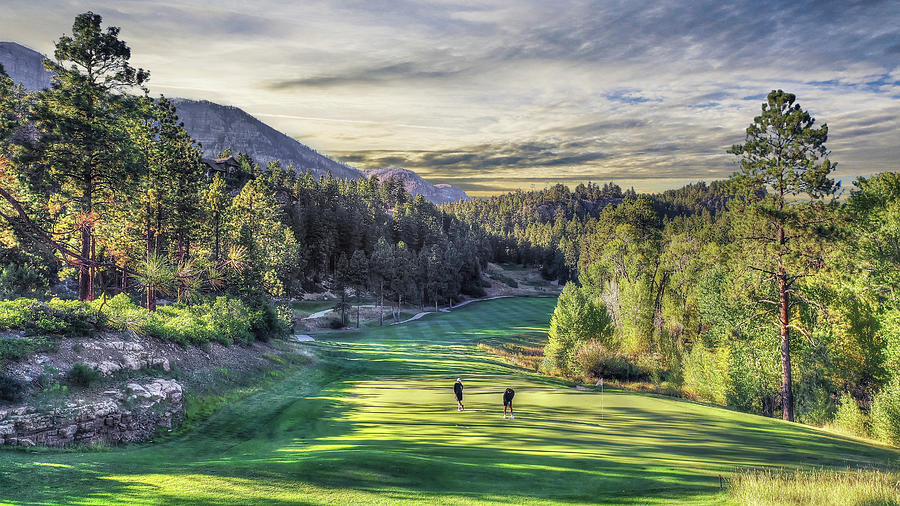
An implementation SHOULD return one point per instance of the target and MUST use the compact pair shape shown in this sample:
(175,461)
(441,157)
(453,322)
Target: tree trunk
(784,313)
(151,298)
(92,270)
(150,291)
(787,390)
(84,269)
(217,237)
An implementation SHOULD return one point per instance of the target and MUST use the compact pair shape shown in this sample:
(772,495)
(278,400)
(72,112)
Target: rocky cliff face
(217,127)
(126,416)
(24,66)
(415,185)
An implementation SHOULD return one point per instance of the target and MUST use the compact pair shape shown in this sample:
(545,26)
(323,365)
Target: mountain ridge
(417,185)
(218,127)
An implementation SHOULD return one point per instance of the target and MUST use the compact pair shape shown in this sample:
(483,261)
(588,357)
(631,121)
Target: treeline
(537,227)
(101,183)
(547,228)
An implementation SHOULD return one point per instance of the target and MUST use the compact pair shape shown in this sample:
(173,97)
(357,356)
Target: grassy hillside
(374,420)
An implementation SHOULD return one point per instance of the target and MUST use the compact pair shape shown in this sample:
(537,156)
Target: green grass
(372,419)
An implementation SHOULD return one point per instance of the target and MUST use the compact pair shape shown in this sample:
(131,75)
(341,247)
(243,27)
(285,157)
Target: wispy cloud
(494,94)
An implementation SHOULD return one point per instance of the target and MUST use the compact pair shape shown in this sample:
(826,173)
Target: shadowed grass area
(374,420)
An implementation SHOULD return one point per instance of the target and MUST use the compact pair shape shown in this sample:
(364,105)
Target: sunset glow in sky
(493,96)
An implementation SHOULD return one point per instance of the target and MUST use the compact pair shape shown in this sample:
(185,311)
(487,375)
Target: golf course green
(372,419)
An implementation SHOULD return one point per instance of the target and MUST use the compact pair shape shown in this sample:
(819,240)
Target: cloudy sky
(496,95)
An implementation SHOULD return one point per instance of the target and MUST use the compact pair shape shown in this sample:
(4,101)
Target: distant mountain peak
(219,127)
(416,185)
(24,66)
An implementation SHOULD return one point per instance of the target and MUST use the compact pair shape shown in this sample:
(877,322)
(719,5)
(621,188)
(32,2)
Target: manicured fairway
(375,421)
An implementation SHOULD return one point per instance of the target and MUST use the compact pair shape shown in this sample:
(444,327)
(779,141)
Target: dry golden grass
(821,487)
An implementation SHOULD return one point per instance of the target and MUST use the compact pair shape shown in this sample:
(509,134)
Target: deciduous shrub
(232,319)
(578,318)
(706,375)
(226,320)
(21,280)
(849,418)
(53,317)
(17,349)
(594,360)
(886,413)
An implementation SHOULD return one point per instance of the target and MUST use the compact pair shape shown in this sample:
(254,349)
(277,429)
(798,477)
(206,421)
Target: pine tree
(215,201)
(82,148)
(357,275)
(784,152)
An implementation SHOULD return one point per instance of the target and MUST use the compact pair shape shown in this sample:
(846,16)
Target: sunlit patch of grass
(822,487)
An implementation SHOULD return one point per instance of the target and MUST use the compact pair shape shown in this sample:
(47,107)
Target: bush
(83,375)
(50,398)
(885,413)
(706,376)
(265,322)
(18,349)
(814,403)
(226,320)
(232,319)
(849,418)
(577,318)
(593,360)
(508,281)
(11,389)
(47,378)
(54,317)
(20,279)
(16,313)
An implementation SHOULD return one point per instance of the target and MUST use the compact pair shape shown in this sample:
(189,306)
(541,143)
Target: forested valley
(773,292)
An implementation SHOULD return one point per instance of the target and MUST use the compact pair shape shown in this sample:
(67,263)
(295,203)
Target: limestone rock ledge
(128,416)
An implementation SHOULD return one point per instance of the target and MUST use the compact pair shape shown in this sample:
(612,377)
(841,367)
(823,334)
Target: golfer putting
(458,390)
(507,402)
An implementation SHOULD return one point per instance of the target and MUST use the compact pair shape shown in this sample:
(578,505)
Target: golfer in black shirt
(507,402)
(457,389)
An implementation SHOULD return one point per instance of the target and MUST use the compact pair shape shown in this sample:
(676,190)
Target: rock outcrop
(125,416)
(24,66)
(218,127)
(416,185)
